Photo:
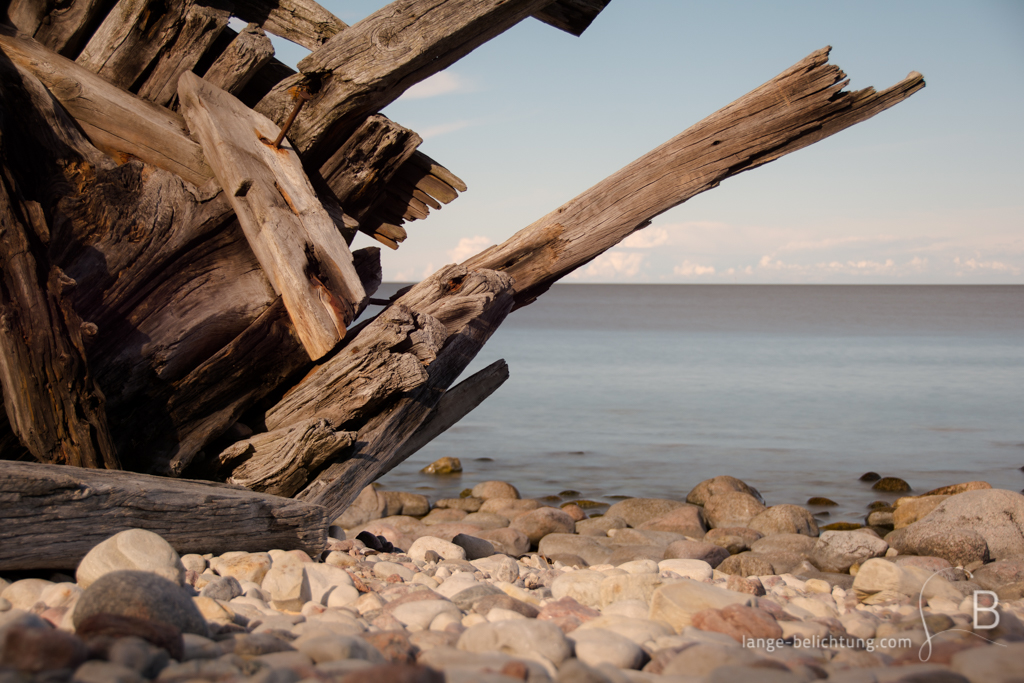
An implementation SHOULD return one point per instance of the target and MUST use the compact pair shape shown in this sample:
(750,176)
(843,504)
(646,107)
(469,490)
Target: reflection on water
(647,390)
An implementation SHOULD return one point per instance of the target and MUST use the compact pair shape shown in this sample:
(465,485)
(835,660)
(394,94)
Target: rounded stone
(507,541)
(636,511)
(543,521)
(446,550)
(892,484)
(784,519)
(518,637)
(489,490)
(746,564)
(702,492)
(870,476)
(837,551)
(131,549)
(600,646)
(713,554)
(732,508)
(821,501)
(143,595)
(445,465)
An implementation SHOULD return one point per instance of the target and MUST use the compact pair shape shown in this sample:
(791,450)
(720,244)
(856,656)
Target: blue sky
(931,191)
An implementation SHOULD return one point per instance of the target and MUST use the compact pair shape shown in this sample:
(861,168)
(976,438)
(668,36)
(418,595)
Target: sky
(928,192)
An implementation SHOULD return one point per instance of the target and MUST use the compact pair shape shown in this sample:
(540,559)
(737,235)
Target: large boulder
(687,520)
(837,551)
(996,516)
(543,521)
(784,519)
(143,595)
(488,490)
(703,491)
(132,549)
(637,511)
(733,508)
(910,509)
(368,505)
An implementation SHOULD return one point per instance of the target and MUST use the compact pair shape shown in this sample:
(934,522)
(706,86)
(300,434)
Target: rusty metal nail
(301,96)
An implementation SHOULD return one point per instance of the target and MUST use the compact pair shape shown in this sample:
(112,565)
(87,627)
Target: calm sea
(645,390)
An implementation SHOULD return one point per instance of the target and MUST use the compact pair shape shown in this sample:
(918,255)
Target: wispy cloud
(444,128)
(648,238)
(441,83)
(614,265)
(688,269)
(469,246)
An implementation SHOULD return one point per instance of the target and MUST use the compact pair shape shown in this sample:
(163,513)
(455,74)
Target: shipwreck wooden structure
(178,290)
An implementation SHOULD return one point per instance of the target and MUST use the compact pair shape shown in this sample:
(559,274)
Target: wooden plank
(119,123)
(373,62)
(131,37)
(454,405)
(280,462)
(201,27)
(361,168)
(53,403)
(302,253)
(800,106)
(300,21)
(425,163)
(67,28)
(470,305)
(52,515)
(26,15)
(572,16)
(246,55)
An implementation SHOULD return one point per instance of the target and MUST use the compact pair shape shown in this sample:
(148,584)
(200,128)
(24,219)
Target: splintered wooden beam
(52,516)
(572,16)
(63,29)
(117,122)
(370,64)
(201,27)
(796,108)
(244,56)
(469,305)
(52,401)
(130,38)
(300,21)
(303,254)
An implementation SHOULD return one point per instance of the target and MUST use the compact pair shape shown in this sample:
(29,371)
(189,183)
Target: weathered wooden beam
(280,462)
(52,515)
(454,405)
(131,37)
(300,21)
(26,15)
(63,29)
(244,56)
(369,64)
(53,403)
(470,305)
(201,27)
(572,16)
(302,253)
(119,123)
(800,106)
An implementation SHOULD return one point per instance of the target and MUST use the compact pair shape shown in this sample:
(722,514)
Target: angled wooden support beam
(52,515)
(244,56)
(800,106)
(572,16)
(63,29)
(303,254)
(300,21)
(369,64)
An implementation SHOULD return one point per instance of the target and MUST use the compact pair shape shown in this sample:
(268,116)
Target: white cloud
(469,246)
(688,269)
(613,264)
(648,238)
(441,83)
(444,128)
(972,264)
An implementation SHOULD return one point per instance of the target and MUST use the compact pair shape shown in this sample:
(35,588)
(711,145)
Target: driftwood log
(178,296)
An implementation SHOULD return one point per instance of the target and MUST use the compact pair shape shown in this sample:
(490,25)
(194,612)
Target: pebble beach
(716,586)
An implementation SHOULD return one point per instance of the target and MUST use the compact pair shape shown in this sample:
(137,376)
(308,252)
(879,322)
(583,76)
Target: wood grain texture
(52,401)
(302,253)
(800,106)
(244,56)
(52,515)
(368,65)
(201,27)
(469,305)
(454,405)
(119,123)
(131,37)
(301,21)
(68,26)
(572,16)
(280,462)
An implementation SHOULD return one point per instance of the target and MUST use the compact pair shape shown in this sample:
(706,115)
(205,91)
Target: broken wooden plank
(53,403)
(800,106)
(280,462)
(201,27)
(52,515)
(26,15)
(370,64)
(244,56)
(470,305)
(572,16)
(131,37)
(300,21)
(117,122)
(302,253)
(454,405)
(66,29)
